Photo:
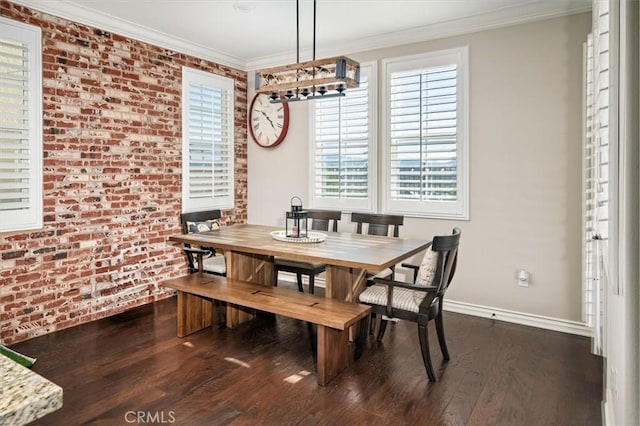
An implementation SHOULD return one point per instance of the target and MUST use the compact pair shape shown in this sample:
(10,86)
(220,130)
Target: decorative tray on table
(312,237)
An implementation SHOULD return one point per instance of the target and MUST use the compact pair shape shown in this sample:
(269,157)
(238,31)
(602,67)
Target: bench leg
(194,313)
(333,353)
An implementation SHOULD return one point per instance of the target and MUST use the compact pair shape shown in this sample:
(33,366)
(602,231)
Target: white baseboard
(539,321)
(607,411)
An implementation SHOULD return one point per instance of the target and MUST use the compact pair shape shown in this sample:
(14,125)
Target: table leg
(345,284)
(339,282)
(248,267)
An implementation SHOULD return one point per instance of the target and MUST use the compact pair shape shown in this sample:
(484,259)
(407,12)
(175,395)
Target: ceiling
(250,34)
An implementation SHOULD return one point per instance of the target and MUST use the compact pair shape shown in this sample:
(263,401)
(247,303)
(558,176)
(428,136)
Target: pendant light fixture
(313,79)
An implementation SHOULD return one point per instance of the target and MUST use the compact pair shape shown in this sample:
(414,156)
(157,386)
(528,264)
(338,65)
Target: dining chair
(420,302)
(321,220)
(203,259)
(379,224)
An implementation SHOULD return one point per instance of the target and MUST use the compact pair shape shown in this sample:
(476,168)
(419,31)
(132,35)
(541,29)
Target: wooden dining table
(250,251)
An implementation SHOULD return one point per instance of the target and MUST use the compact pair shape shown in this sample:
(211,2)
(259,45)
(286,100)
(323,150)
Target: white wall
(525,167)
(277,174)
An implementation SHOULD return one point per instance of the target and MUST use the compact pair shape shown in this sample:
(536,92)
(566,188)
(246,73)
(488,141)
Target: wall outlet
(523,278)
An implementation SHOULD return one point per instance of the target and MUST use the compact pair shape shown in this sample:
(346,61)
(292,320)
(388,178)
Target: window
(343,135)
(20,126)
(425,135)
(207,141)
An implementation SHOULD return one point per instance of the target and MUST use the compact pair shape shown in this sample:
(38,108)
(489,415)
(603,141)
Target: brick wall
(112,179)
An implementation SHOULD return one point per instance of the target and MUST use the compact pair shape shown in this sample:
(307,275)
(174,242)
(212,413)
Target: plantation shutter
(208,157)
(14,141)
(592,286)
(342,148)
(20,128)
(426,133)
(599,246)
(423,134)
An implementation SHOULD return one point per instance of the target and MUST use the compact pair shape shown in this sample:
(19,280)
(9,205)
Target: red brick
(94,190)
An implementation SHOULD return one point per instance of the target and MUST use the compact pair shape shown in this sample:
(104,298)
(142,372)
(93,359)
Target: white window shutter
(343,148)
(208,142)
(425,135)
(598,244)
(20,127)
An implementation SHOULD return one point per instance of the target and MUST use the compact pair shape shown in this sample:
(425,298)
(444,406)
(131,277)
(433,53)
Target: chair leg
(381,329)
(275,277)
(441,339)
(312,283)
(299,278)
(424,347)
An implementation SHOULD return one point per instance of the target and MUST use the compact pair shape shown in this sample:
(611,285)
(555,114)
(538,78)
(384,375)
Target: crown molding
(129,29)
(487,21)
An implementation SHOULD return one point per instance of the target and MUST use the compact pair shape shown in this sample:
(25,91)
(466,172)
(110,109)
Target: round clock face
(268,122)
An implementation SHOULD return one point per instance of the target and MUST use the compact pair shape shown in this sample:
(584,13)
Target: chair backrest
(201,216)
(198,217)
(378,224)
(447,248)
(322,218)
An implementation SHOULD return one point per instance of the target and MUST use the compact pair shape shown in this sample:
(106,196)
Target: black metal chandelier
(313,79)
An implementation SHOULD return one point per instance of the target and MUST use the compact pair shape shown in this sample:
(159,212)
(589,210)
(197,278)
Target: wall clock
(268,122)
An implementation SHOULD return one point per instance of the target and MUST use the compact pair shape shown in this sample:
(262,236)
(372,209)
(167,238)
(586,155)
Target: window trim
(434,210)
(190,75)
(348,205)
(31,218)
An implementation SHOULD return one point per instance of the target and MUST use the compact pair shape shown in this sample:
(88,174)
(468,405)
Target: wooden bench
(333,317)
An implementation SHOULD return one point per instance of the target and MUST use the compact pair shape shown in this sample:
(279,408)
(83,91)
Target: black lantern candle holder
(296,220)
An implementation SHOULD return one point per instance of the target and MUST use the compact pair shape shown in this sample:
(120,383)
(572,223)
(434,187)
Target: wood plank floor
(132,364)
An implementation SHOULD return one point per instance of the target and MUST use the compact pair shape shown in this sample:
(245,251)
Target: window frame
(32,217)
(434,209)
(369,204)
(190,75)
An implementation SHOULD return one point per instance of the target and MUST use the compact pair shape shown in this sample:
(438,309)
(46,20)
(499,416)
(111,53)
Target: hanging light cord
(313,69)
(297,31)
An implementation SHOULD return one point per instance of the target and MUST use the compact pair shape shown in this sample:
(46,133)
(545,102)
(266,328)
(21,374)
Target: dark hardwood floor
(132,369)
